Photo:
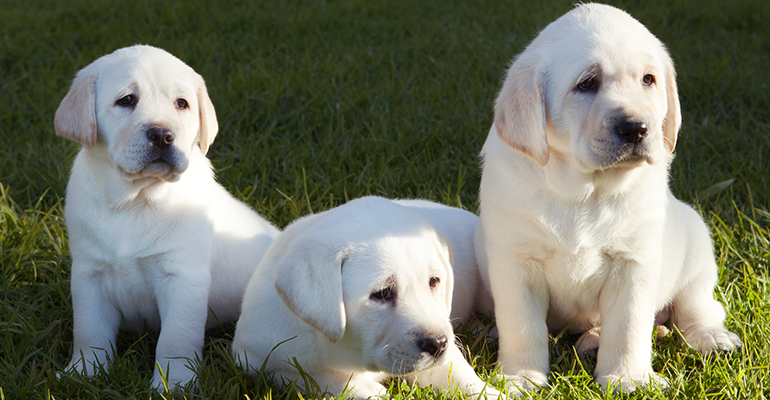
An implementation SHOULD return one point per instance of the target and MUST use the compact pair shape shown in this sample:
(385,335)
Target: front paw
(626,384)
(165,381)
(88,363)
(527,381)
(711,339)
(482,391)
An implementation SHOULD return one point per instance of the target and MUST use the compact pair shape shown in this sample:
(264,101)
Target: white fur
(312,298)
(155,242)
(577,226)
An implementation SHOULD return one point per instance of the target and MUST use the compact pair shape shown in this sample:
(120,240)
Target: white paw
(174,380)
(588,343)
(89,364)
(482,391)
(517,385)
(626,384)
(710,339)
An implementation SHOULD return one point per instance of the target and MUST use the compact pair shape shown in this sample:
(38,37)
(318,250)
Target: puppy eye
(434,281)
(385,295)
(648,80)
(181,104)
(126,101)
(589,84)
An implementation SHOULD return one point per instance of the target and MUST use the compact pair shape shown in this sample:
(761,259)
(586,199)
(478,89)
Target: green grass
(320,102)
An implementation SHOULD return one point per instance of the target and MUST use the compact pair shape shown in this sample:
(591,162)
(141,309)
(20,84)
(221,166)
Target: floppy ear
(673,120)
(310,285)
(447,245)
(520,109)
(208,117)
(76,116)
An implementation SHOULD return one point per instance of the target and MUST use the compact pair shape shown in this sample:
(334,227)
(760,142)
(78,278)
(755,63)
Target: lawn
(320,102)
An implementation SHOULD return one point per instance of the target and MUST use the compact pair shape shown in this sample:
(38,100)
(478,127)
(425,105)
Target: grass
(320,102)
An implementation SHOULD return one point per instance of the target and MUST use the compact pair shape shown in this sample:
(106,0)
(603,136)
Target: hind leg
(698,315)
(700,318)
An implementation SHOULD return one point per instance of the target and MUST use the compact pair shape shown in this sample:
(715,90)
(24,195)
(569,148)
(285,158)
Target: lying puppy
(359,293)
(578,226)
(154,238)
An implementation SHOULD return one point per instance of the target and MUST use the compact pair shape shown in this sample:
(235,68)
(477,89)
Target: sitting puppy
(359,293)
(578,226)
(154,238)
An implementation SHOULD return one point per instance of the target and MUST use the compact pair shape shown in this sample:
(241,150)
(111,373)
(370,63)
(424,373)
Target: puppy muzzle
(628,145)
(156,156)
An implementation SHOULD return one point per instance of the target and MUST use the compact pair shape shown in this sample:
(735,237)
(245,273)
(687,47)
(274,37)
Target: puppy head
(376,277)
(595,86)
(145,107)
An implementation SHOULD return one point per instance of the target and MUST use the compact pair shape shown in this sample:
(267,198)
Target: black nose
(433,345)
(632,131)
(161,137)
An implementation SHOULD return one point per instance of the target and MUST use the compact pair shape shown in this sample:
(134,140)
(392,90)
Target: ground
(320,102)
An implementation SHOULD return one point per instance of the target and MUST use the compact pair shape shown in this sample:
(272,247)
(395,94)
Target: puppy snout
(433,345)
(631,131)
(160,137)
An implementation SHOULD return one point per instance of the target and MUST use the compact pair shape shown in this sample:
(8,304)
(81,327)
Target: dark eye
(383,295)
(181,104)
(589,84)
(434,281)
(126,101)
(648,80)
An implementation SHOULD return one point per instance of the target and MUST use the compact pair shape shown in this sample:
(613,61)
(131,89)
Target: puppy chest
(130,286)
(575,281)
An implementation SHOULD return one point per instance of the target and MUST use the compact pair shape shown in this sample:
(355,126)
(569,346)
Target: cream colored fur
(578,226)
(315,300)
(155,240)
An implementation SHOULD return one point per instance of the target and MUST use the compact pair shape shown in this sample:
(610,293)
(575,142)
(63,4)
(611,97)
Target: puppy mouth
(165,164)
(626,155)
(407,365)
(402,363)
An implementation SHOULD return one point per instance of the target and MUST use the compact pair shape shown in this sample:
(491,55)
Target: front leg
(455,373)
(627,304)
(183,306)
(96,320)
(521,305)
(356,385)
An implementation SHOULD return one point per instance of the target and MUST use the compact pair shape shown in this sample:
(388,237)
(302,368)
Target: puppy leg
(96,321)
(625,345)
(588,343)
(367,386)
(183,307)
(455,373)
(700,317)
(521,304)
(695,311)
(360,386)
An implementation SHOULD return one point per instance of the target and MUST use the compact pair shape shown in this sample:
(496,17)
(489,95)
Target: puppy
(578,226)
(155,240)
(359,293)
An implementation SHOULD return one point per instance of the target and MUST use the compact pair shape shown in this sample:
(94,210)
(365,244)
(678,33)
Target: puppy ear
(673,120)
(310,285)
(76,116)
(520,109)
(208,117)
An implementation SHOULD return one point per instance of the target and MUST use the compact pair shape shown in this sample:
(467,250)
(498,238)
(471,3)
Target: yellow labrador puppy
(359,293)
(578,226)
(155,240)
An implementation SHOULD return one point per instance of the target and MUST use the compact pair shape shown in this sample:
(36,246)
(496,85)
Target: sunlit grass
(321,102)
